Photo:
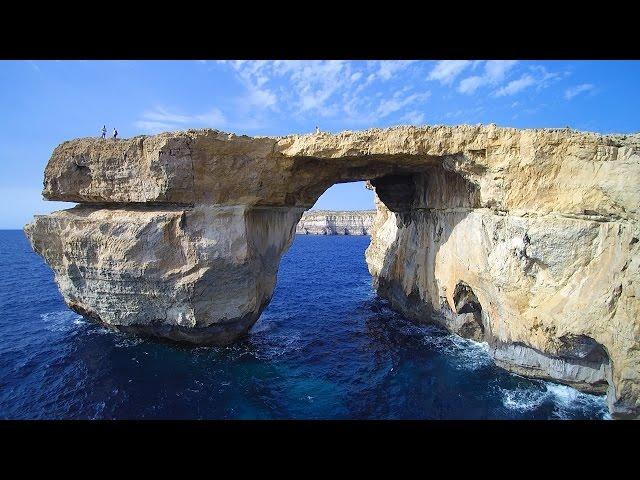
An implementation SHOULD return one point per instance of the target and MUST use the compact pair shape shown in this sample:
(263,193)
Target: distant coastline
(332,222)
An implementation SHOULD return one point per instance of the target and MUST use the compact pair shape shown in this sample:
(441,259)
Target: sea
(327,347)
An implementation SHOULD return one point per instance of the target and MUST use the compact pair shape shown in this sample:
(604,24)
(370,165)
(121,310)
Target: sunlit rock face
(526,239)
(327,222)
(198,274)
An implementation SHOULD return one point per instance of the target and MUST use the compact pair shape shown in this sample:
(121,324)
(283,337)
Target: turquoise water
(327,347)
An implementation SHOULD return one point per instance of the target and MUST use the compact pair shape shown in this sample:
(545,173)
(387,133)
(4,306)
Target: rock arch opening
(343,209)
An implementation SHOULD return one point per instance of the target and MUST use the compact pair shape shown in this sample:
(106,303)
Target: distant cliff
(326,222)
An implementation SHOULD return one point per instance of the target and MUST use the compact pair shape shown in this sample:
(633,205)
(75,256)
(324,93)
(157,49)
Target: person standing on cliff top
(317,130)
(115,134)
(104,132)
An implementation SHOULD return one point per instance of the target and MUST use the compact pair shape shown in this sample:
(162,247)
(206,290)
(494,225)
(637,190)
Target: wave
(567,401)
(463,353)
(523,399)
(61,320)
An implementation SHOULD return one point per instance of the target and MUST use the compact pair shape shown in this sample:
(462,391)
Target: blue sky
(43,103)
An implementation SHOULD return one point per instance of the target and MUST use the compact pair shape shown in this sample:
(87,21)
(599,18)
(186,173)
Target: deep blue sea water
(326,348)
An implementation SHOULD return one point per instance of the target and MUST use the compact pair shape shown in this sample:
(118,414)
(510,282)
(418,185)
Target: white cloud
(153,127)
(388,68)
(446,71)
(413,117)
(466,115)
(324,88)
(577,90)
(495,71)
(160,120)
(396,103)
(354,93)
(254,75)
(159,114)
(260,98)
(471,84)
(515,86)
(212,118)
(544,77)
(312,83)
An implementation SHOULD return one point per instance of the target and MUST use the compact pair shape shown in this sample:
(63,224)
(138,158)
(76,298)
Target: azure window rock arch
(180,235)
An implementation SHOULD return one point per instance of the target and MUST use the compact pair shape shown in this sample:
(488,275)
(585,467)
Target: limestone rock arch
(180,235)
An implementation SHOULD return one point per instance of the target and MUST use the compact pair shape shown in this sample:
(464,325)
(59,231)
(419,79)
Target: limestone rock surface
(196,274)
(526,239)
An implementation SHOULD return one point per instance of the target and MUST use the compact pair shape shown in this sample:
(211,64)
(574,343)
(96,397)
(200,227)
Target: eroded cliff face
(527,239)
(326,222)
(555,297)
(197,274)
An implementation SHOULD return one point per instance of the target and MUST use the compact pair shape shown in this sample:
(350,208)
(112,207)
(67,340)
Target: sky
(43,103)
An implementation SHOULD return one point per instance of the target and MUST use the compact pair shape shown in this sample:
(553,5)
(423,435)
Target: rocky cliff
(326,222)
(525,239)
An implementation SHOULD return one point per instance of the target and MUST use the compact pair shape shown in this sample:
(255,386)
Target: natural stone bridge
(526,239)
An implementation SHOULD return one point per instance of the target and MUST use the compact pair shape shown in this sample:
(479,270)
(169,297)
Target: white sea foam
(523,399)
(100,331)
(61,320)
(471,355)
(567,401)
(125,341)
(465,354)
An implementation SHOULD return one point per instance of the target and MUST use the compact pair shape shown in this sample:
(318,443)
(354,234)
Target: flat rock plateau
(525,239)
